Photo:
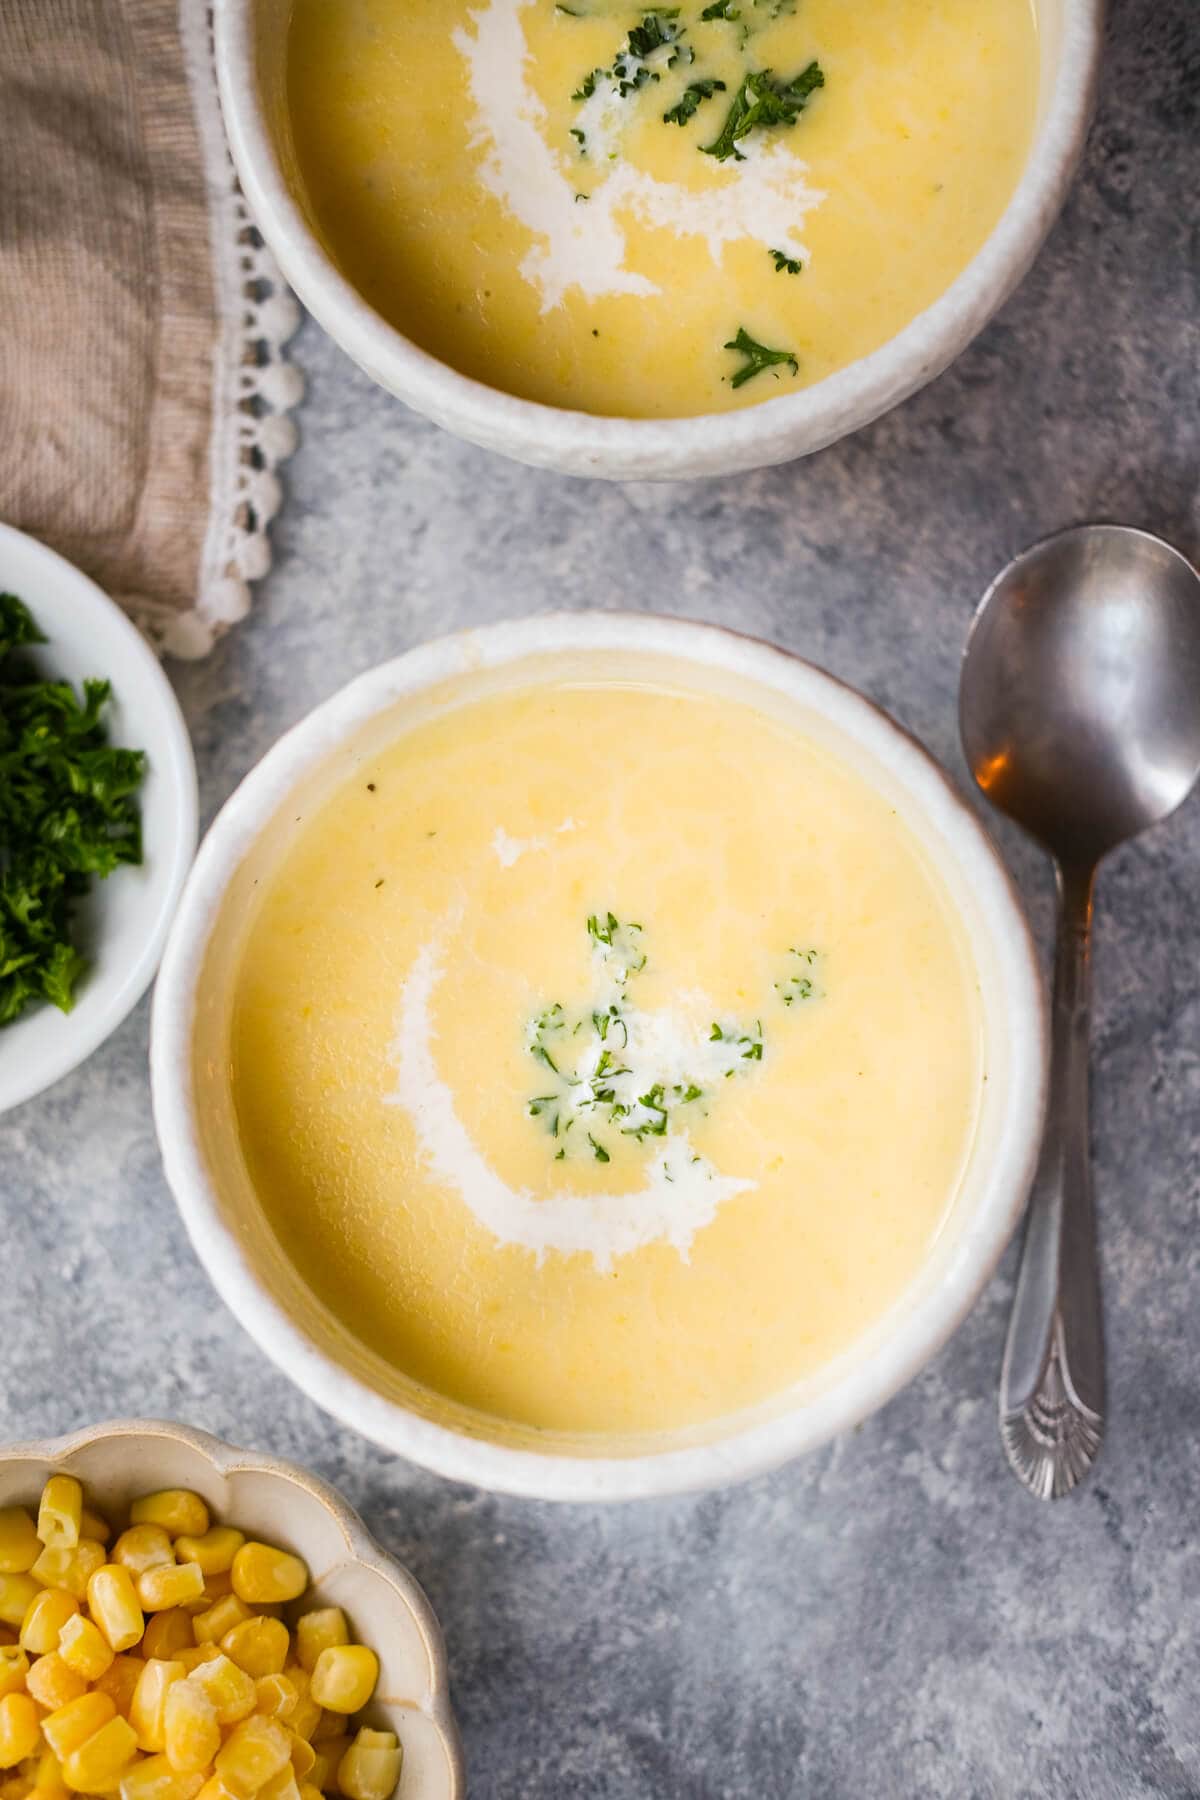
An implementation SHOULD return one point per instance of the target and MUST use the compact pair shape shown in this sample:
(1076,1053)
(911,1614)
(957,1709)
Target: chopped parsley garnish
(655,32)
(799,985)
(758,357)
(67,813)
(608,1059)
(761,102)
(689,101)
(618,944)
(631,67)
(721,9)
(784,264)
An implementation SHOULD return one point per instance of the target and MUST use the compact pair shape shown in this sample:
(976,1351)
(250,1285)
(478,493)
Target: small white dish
(197,1124)
(251,53)
(122,924)
(284,1505)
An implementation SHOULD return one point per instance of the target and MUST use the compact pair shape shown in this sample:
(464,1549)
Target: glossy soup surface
(606,1057)
(481,178)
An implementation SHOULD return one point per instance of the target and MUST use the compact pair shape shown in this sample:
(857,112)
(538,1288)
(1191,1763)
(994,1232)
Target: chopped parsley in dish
(68,814)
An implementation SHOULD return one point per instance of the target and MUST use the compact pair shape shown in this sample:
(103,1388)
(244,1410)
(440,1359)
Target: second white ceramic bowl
(251,50)
(195,1113)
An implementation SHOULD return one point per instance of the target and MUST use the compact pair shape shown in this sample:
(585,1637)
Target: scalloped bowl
(284,1505)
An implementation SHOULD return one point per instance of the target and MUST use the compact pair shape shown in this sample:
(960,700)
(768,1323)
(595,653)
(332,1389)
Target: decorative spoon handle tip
(1052,1442)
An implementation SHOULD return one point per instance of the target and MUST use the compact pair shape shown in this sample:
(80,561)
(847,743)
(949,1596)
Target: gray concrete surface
(892,1617)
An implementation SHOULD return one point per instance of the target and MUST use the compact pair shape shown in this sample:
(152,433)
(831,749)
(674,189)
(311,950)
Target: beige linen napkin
(144,395)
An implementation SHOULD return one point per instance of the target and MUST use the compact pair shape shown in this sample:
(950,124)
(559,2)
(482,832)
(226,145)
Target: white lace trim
(254,386)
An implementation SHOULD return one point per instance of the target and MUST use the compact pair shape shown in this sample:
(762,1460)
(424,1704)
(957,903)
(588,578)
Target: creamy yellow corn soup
(606,1057)
(657,213)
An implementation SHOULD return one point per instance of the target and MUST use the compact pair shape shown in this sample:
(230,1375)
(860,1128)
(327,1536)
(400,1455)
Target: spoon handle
(1052,1384)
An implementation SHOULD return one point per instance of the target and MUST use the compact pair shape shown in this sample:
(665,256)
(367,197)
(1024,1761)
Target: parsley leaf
(761,102)
(690,99)
(785,264)
(67,814)
(758,357)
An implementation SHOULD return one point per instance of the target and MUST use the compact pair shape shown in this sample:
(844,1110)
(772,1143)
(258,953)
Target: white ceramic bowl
(284,1505)
(197,1126)
(251,39)
(122,923)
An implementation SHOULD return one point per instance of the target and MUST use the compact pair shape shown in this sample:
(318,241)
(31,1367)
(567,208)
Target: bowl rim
(229,1459)
(585,443)
(117,992)
(443,1449)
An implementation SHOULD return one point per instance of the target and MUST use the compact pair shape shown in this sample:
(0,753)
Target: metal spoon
(1079,708)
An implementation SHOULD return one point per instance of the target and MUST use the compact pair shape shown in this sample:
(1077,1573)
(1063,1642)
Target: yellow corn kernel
(113,1604)
(60,1512)
(254,1751)
(18,1729)
(70,1570)
(229,1688)
(120,1682)
(262,1574)
(100,1763)
(155,1779)
(260,1646)
(20,1545)
(344,1677)
(48,1783)
(309,1792)
(14,1667)
(326,1758)
(214,1550)
(306,1715)
(48,1613)
(166,1634)
(370,1768)
(216,1587)
(73,1724)
(178,1510)
(191,1730)
(274,1695)
(84,1648)
(215,1789)
(282,1786)
(199,1653)
(51,1683)
(212,1625)
(17,1595)
(148,1707)
(330,1724)
(142,1547)
(163,1588)
(317,1631)
(94,1525)
(304,1757)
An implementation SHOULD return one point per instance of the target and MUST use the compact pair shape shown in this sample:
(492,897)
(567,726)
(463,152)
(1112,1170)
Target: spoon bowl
(1080,695)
